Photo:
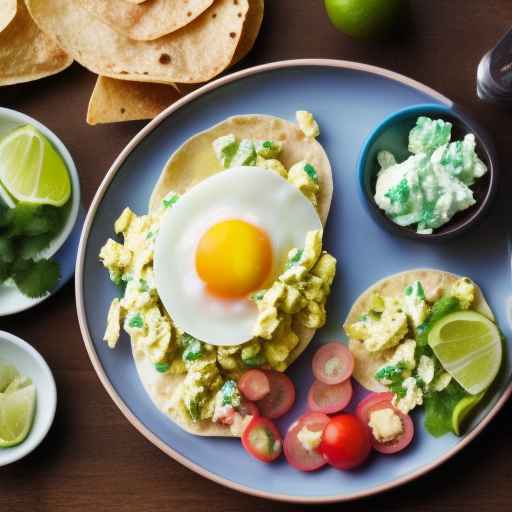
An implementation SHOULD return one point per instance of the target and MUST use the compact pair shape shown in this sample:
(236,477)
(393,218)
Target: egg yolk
(233,258)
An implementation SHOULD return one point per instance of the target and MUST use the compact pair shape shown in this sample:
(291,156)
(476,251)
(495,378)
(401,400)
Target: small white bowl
(30,363)
(11,299)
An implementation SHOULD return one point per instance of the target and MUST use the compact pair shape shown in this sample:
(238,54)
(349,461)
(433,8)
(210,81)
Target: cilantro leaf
(439,408)
(35,278)
(5,271)
(162,367)
(31,246)
(7,254)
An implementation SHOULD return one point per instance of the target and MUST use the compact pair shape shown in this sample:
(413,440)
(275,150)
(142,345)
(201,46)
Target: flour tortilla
(195,53)
(250,31)
(367,363)
(26,53)
(147,21)
(193,162)
(7,12)
(119,100)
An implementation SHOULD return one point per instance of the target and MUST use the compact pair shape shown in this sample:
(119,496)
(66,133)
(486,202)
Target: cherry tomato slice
(254,385)
(329,399)
(378,401)
(248,408)
(345,442)
(280,398)
(262,440)
(295,453)
(333,363)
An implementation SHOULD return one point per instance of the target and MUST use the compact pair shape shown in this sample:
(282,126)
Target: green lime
(363,18)
(468,345)
(7,374)
(16,415)
(462,409)
(31,170)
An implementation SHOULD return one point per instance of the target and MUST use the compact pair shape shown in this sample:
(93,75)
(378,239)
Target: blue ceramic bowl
(392,135)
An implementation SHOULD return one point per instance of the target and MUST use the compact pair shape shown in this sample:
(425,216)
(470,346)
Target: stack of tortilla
(146,53)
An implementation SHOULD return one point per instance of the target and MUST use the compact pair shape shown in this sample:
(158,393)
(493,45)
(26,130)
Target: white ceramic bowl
(30,363)
(11,299)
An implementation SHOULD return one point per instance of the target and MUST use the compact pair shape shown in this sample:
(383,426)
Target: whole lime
(363,18)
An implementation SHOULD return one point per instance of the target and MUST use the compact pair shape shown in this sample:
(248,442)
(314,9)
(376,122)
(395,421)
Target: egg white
(252,194)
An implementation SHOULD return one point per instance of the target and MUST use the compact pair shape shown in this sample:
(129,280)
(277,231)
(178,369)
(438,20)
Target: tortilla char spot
(235,2)
(189,14)
(122,110)
(232,35)
(165,58)
(214,15)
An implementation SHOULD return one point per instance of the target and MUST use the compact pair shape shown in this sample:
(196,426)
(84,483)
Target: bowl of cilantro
(39,205)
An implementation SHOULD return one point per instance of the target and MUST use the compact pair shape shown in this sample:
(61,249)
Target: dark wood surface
(93,459)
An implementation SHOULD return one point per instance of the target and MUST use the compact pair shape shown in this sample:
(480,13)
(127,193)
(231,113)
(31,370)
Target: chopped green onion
(172,200)
(311,172)
(136,321)
(162,367)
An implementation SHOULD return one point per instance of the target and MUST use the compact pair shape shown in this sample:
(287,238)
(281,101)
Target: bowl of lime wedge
(28,398)
(39,204)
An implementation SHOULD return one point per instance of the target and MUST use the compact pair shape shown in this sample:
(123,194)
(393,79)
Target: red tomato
(329,399)
(375,402)
(254,384)
(295,453)
(262,440)
(280,398)
(345,442)
(248,408)
(333,363)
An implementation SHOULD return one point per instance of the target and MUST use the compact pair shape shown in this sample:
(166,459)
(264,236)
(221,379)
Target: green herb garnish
(193,348)
(255,361)
(136,321)
(294,259)
(311,172)
(394,375)
(25,231)
(162,367)
(172,200)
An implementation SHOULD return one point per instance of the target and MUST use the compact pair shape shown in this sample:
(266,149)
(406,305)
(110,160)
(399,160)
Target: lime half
(31,170)
(16,415)
(8,373)
(462,409)
(468,345)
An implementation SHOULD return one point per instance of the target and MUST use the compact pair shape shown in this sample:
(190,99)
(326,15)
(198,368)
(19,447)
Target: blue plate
(348,101)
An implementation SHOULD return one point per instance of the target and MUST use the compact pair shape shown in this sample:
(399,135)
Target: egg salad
(213,285)
(402,333)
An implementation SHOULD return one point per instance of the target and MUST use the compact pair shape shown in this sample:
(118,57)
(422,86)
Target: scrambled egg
(307,123)
(414,303)
(301,290)
(309,439)
(386,425)
(413,396)
(464,290)
(303,175)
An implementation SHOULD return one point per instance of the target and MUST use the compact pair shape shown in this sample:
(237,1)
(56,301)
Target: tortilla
(193,162)
(195,53)
(7,12)
(119,100)
(147,21)
(250,31)
(366,363)
(26,53)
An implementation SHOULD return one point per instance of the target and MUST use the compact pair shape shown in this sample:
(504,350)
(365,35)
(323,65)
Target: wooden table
(93,459)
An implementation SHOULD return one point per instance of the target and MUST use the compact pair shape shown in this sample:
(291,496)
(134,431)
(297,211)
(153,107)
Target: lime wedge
(17,383)
(7,374)
(16,415)
(31,170)
(462,409)
(468,345)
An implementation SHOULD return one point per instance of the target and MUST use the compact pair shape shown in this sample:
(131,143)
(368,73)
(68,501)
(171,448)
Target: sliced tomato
(262,440)
(295,453)
(378,401)
(280,398)
(247,408)
(329,399)
(254,385)
(345,442)
(333,363)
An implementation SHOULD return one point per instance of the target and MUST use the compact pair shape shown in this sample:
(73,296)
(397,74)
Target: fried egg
(226,238)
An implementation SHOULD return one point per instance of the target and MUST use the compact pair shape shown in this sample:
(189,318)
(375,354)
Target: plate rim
(89,345)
